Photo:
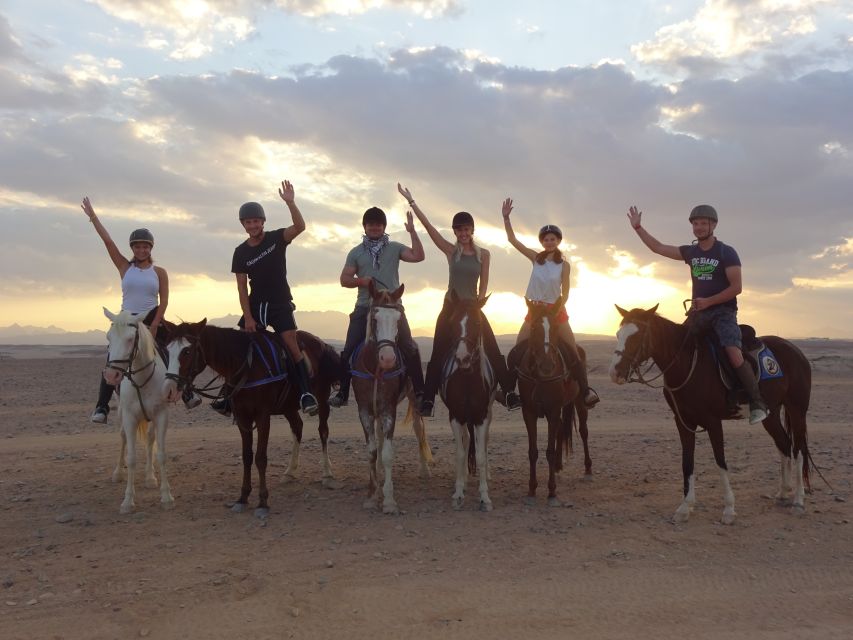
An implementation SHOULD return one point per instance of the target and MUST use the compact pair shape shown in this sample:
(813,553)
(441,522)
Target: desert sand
(608,563)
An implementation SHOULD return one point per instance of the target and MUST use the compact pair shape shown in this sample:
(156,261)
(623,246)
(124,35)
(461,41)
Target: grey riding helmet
(252,210)
(141,235)
(703,211)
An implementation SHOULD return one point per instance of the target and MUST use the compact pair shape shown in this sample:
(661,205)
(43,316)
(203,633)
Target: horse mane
(146,340)
(228,346)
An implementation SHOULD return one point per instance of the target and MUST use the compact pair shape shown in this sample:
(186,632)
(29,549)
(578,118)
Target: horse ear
(109,314)
(483,302)
(203,323)
(398,292)
(621,311)
(653,310)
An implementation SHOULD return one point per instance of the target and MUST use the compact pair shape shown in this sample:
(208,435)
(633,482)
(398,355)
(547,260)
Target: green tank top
(464,276)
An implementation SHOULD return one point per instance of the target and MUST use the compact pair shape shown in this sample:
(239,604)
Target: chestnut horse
(547,391)
(251,365)
(379,382)
(468,387)
(697,397)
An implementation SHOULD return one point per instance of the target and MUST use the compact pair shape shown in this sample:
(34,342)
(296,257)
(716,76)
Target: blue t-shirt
(708,269)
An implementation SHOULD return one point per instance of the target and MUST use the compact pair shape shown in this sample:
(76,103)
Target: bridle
(128,371)
(198,362)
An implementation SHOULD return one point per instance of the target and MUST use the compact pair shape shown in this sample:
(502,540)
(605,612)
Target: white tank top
(140,289)
(545,282)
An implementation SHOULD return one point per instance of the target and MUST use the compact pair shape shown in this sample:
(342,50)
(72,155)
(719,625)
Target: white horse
(135,365)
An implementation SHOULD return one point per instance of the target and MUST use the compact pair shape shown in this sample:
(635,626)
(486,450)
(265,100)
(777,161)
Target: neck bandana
(375,247)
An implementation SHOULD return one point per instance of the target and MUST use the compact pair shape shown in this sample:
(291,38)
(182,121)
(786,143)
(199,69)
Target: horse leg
(367,420)
(554,423)
(688,446)
(323,429)
(532,453)
(244,424)
(128,426)
(419,427)
(583,414)
(160,426)
(150,436)
(118,472)
(481,433)
(773,426)
(796,420)
(461,438)
(715,433)
(389,505)
(263,423)
(295,422)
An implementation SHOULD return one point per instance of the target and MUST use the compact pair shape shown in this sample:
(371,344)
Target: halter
(128,372)
(196,350)
(378,374)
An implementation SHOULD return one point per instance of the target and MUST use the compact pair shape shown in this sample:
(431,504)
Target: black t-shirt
(708,269)
(266,267)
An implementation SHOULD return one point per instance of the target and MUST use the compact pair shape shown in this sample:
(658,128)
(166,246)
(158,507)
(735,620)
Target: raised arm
(443,245)
(287,193)
(118,259)
(665,250)
(415,253)
(527,252)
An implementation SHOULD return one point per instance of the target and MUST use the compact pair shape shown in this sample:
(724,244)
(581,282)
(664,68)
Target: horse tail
(330,362)
(472,450)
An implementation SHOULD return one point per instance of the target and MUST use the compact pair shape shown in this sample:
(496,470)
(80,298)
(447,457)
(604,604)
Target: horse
(547,390)
(252,367)
(380,383)
(697,397)
(134,364)
(468,388)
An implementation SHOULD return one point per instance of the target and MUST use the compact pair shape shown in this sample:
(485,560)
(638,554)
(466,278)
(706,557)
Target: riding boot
(307,401)
(506,380)
(757,409)
(412,360)
(577,368)
(341,398)
(222,404)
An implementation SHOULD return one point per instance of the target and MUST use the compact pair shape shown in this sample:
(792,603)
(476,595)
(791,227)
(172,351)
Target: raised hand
(635,217)
(286,191)
(506,209)
(87,208)
(410,222)
(405,193)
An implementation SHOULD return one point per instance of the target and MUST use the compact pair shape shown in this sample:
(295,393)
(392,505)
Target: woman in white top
(549,286)
(144,289)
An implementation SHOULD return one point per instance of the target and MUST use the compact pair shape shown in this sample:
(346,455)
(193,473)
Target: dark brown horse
(251,364)
(547,391)
(697,397)
(468,388)
(379,382)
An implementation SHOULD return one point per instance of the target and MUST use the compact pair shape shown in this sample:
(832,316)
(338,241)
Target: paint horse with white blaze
(135,367)
(468,387)
(379,382)
(697,397)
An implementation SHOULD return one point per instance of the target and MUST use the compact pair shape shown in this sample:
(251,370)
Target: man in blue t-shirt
(716,274)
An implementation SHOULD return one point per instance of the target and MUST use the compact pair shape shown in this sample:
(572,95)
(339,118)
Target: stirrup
(591,398)
(512,401)
(426,408)
(308,404)
(338,400)
(221,406)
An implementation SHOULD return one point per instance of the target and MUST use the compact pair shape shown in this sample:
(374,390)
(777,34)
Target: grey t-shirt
(387,275)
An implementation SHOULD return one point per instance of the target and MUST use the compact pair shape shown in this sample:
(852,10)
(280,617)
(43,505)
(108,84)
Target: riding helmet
(550,228)
(252,210)
(703,211)
(141,235)
(461,219)
(374,215)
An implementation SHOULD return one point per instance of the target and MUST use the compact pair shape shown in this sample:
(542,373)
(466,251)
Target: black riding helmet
(374,215)
(703,211)
(461,219)
(141,235)
(550,228)
(252,210)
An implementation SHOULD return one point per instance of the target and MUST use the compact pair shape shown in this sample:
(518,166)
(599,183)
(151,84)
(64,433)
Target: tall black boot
(577,368)
(222,404)
(102,408)
(757,408)
(307,401)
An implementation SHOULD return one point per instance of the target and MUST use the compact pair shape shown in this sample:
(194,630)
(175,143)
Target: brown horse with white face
(379,382)
(697,397)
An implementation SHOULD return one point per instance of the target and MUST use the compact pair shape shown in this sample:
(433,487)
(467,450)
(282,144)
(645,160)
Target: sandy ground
(609,563)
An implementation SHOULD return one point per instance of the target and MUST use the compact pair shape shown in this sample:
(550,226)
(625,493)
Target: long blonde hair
(457,252)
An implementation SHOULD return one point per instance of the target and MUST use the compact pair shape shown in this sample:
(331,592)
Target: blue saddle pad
(769,367)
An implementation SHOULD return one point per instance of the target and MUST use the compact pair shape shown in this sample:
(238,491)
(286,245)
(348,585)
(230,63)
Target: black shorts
(278,315)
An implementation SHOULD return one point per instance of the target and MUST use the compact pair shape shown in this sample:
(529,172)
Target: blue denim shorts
(723,320)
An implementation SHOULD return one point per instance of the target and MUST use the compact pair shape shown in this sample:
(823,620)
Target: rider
(716,273)
(144,289)
(377,258)
(468,264)
(549,285)
(260,261)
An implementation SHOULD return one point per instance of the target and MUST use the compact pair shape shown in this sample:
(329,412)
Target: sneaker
(308,404)
(192,402)
(591,399)
(338,400)
(99,415)
(426,408)
(221,406)
(757,412)
(513,401)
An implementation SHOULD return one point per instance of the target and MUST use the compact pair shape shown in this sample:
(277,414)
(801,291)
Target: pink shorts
(562,316)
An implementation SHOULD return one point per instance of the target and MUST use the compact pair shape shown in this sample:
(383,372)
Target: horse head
(386,312)
(186,357)
(128,339)
(466,321)
(634,342)
(543,361)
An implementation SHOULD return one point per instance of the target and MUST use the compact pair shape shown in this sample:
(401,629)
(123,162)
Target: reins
(129,372)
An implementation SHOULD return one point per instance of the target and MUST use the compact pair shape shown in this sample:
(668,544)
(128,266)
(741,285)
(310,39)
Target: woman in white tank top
(144,289)
(549,285)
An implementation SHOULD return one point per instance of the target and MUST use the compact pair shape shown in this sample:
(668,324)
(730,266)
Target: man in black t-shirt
(259,263)
(715,270)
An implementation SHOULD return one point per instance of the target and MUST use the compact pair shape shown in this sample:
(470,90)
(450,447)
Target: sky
(170,115)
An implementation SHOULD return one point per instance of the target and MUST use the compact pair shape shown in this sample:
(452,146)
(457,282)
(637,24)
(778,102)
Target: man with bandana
(377,258)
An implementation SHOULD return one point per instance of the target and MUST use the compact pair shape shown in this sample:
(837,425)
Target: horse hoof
(728,519)
(783,501)
(587,477)
(168,505)
(798,510)
(238,507)
(288,478)
(530,501)
(151,483)
(126,508)
(554,502)
(332,483)
(262,513)
(485,506)
(117,477)
(457,503)
(369,504)
(390,509)
(681,516)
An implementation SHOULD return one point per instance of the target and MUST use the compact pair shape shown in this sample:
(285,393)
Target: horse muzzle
(112,376)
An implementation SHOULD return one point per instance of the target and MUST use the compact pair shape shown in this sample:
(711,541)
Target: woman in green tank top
(469,278)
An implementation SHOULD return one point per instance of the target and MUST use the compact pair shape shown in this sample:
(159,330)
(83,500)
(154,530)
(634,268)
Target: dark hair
(374,215)
(461,219)
(556,255)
